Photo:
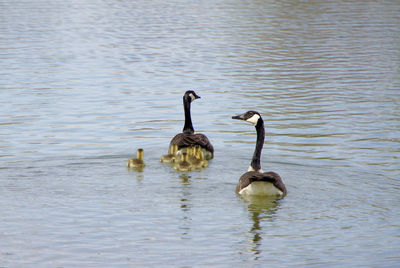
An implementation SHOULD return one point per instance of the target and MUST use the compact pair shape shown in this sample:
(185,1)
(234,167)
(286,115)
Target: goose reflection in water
(186,205)
(261,209)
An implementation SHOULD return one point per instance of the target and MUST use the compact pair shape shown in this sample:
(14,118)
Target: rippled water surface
(83,84)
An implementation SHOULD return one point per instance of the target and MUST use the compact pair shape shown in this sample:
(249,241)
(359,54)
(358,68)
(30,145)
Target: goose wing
(187,140)
(247,178)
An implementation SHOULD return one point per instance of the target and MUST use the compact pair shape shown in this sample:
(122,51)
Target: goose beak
(196,96)
(240,117)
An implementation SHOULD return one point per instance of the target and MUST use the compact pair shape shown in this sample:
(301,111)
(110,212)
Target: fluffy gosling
(171,156)
(183,164)
(136,162)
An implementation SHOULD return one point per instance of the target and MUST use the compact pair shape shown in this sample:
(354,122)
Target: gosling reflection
(185,205)
(262,209)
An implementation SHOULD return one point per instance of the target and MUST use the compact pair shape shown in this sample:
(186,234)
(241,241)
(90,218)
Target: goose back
(183,140)
(258,179)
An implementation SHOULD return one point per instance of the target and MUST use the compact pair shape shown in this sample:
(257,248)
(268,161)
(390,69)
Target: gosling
(183,164)
(199,162)
(136,162)
(191,151)
(171,156)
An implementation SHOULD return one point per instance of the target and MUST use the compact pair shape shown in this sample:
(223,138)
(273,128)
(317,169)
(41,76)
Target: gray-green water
(83,84)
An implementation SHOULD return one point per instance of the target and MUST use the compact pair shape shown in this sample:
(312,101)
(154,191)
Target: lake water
(83,84)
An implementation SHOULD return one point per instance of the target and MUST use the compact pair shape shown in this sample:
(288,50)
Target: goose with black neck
(255,181)
(188,137)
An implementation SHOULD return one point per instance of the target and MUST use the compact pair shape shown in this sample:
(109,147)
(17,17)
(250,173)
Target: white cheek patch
(192,96)
(253,119)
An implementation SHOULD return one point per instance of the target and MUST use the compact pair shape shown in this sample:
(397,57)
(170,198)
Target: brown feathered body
(257,183)
(185,140)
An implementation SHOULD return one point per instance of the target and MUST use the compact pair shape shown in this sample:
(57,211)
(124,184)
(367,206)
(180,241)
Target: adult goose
(255,181)
(188,138)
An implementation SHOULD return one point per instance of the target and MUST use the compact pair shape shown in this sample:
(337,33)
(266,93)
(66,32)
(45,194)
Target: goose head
(190,96)
(250,116)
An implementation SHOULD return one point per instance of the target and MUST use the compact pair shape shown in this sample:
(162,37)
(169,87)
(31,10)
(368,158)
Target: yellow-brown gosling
(191,154)
(199,161)
(171,156)
(136,162)
(183,164)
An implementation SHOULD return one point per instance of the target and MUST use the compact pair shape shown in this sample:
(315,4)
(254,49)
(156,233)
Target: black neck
(188,127)
(255,162)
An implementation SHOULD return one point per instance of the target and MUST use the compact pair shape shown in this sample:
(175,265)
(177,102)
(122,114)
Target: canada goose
(198,162)
(255,181)
(171,156)
(136,162)
(188,138)
(183,164)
